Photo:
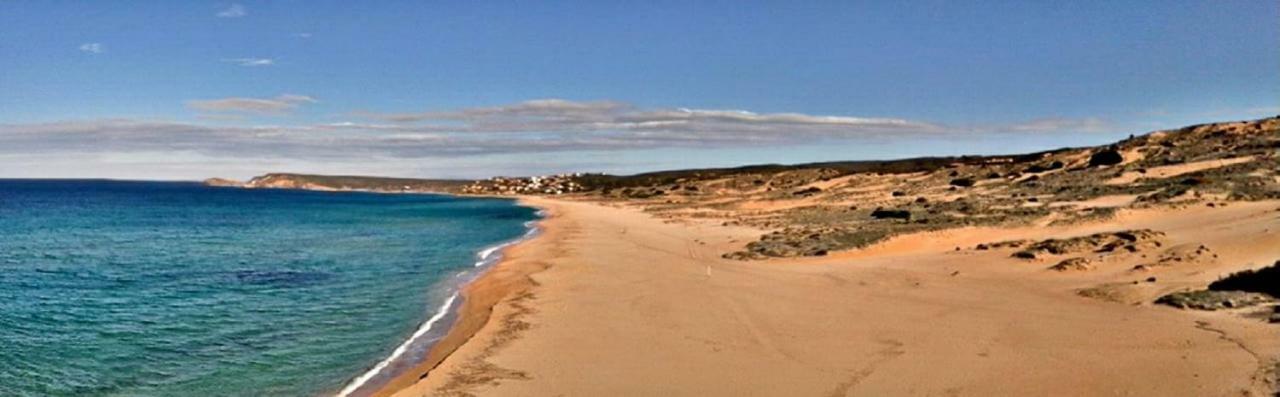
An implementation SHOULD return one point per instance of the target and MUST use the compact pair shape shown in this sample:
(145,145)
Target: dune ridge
(1039,274)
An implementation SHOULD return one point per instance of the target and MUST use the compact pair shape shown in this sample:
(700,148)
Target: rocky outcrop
(221,182)
(343,183)
(289,181)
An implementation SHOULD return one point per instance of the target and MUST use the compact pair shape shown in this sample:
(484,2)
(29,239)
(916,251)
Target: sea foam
(484,257)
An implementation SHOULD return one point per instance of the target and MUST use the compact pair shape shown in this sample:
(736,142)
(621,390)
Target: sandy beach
(610,300)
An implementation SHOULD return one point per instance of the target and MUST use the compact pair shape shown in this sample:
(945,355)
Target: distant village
(549,184)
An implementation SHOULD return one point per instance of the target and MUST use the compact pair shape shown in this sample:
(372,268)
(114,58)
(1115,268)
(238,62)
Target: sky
(188,90)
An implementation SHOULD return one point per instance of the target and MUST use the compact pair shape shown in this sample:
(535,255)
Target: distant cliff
(343,183)
(222,182)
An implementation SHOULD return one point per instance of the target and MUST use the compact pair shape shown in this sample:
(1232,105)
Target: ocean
(120,288)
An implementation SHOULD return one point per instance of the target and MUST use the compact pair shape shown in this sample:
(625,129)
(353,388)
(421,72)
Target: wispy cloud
(302,35)
(251,62)
(262,106)
(314,142)
(232,11)
(678,124)
(1246,111)
(1058,124)
(336,141)
(544,127)
(93,48)
(1264,110)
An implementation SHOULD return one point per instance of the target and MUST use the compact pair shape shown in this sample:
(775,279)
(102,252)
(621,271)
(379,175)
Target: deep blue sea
(178,289)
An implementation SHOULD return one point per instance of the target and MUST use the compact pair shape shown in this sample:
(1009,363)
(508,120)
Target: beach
(611,300)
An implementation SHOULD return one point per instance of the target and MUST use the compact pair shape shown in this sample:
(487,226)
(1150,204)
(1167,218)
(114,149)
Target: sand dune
(621,303)
(1170,171)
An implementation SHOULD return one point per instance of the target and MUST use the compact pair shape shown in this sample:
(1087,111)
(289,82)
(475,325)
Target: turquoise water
(176,289)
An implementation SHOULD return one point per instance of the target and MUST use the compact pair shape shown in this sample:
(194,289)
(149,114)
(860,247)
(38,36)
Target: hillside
(818,208)
(815,209)
(344,183)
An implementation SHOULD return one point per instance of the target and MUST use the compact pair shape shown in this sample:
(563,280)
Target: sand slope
(620,303)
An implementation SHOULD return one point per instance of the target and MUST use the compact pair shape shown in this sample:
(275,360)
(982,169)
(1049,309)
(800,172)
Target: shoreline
(469,307)
(463,316)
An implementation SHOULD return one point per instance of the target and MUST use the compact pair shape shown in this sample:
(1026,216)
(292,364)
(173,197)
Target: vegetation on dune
(849,205)
(1265,280)
(817,208)
(1241,289)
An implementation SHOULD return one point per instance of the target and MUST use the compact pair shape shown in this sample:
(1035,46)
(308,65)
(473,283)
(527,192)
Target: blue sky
(185,90)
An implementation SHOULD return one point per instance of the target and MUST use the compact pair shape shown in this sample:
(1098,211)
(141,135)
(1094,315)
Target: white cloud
(263,106)
(93,48)
(250,62)
(302,35)
(232,11)
(1059,124)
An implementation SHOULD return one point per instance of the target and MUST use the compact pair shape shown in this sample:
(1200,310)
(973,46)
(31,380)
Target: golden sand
(614,302)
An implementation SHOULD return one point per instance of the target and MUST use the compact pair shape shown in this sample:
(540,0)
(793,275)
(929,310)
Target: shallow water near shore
(145,288)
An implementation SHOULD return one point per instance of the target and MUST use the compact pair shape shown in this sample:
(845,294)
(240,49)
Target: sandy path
(628,306)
